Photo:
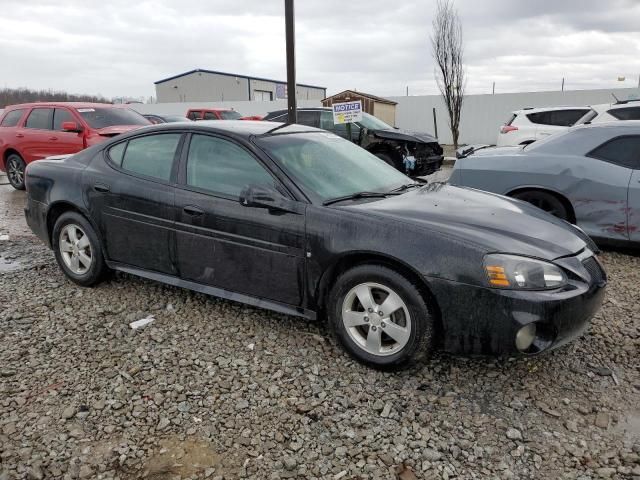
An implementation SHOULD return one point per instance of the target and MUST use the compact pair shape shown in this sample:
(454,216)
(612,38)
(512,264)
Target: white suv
(610,112)
(530,124)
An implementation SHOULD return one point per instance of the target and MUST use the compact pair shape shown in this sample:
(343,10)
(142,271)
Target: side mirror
(71,127)
(263,197)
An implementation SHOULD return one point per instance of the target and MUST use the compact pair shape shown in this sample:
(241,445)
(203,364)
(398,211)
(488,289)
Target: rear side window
(309,118)
(12,118)
(623,151)
(628,113)
(221,166)
(194,114)
(210,116)
(559,118)
(151,156)
(61,115)
(40,118)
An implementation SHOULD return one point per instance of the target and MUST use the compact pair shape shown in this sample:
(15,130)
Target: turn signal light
(497,276)
(508,128)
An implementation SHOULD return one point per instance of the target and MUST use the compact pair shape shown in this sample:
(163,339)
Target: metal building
(211,86)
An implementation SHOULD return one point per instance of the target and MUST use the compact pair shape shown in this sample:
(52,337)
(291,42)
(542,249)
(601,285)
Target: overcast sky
(119,48)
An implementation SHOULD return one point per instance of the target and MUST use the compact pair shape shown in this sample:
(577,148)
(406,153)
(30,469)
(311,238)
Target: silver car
(588,175)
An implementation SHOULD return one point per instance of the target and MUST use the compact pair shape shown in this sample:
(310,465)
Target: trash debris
(4,237)
(142,322)
(251,346)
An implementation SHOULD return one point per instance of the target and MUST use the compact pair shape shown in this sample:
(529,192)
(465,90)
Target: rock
(163,423)
(85,472)
(606,472)
(242,404)
(386,411)
(69,413)
(514,434)
(602,420)
(571,425)
(431,455)
(35,473)
(290,463)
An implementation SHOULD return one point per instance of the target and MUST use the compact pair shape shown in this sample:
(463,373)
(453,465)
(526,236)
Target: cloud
(119,48)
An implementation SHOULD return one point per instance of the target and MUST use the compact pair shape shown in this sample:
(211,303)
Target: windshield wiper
(407,186)
(357,195)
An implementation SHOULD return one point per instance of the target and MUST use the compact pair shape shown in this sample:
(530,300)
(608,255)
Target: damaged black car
(300,221)
(414,153)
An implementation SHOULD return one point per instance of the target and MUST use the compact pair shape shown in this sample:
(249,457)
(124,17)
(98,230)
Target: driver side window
(222,167)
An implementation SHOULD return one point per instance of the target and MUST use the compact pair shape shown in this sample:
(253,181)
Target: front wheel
(380,317)
(545,201)
(78,250)
(15,171)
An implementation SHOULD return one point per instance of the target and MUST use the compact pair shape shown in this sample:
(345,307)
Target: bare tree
(446,42)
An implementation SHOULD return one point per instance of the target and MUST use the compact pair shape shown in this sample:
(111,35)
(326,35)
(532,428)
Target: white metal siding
(482,115)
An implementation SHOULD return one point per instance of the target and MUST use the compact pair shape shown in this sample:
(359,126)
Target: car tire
(15,171)
(545,201)
(365,330)
(78,250)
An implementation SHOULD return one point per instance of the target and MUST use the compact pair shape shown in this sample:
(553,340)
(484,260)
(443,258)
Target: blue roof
(201,70)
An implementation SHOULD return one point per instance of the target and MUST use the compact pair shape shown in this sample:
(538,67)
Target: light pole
(290,29)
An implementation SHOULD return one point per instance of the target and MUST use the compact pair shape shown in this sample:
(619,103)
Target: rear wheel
(15,171)
(78,250)
(380,317)
(545,201)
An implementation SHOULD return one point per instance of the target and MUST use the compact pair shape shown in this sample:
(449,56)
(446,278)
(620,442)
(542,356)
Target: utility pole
(563,84)
(289,19)
(493,91)
(407,90)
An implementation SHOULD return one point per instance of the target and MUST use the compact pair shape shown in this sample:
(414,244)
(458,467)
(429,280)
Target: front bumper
(427,165)
(35,214)
(484,321)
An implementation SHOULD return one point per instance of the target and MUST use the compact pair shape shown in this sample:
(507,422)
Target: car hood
(497,151)
(497,223)
(404,135)
(114,130)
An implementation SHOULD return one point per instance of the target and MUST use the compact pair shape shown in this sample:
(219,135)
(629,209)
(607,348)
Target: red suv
(33,131)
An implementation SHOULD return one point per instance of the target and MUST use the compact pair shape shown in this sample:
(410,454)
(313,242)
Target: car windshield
(330,166)
(109,117)
(230,115)
(372,123)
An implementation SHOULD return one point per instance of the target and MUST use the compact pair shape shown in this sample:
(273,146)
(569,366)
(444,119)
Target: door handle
(101,187)
(53,138)
(193,211)
(19,135)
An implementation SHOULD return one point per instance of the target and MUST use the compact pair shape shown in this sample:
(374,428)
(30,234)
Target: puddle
(9,265)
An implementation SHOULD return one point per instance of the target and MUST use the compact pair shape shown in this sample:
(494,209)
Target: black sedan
(301,221)
(414,153)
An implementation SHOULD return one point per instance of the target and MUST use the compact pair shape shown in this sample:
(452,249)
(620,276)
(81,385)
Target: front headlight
(522,273)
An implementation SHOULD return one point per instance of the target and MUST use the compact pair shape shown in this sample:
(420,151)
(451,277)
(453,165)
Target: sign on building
(347,112)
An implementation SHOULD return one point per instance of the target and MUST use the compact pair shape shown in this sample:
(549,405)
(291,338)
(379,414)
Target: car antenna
(614,96)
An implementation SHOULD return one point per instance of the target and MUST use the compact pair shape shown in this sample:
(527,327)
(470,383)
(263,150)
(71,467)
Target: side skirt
(216,292)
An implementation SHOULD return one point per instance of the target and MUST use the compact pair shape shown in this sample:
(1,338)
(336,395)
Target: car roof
(549,109)
(320,109)
(64,104)
(620,124)
(211,109)
(238,128)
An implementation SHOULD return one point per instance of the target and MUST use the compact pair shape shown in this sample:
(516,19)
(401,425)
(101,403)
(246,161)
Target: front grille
(597,273)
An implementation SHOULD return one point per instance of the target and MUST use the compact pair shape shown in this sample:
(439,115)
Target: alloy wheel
(376,318)
(15,171)
(75,249)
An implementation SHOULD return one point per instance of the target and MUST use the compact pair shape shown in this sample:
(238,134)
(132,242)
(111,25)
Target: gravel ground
(215,389)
